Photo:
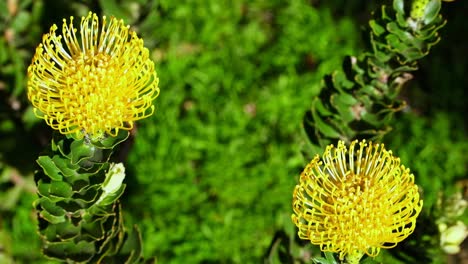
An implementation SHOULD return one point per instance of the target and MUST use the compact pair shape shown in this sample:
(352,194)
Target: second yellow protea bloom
(92,81)
(356,201)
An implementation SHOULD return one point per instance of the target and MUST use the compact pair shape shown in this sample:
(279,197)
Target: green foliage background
(210,175)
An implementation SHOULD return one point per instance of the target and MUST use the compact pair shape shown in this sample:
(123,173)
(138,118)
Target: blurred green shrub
(216,166)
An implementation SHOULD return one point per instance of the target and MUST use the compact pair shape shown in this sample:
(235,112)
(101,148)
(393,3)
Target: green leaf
(399,6)
(343,104)
(111,142)
(88,194)
(51,207)
(339,78)
(431,11)
(344,99)
(79,150)
(132,246)
(405,36)
(77,252)
(60,189)
(376,28)
(368,260)
(370,118)
(62,231)
(401,20)
(385,16)
(431,30)
(318,106)
(381,52)
(328,259)
(49,232)
(61,143)
(51,212)
(331,257)
(64,166)
(49,167)
(53,219)
(324,128)
(93,228)
(43,188)
(395,43)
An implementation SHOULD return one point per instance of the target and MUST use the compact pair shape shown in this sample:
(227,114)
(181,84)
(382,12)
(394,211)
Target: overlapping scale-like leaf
(360,100)
(79,221)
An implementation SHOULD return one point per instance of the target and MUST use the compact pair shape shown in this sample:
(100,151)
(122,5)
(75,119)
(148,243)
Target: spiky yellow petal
(92,81)
(352,201)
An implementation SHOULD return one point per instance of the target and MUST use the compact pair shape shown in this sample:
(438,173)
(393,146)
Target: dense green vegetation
(210,175)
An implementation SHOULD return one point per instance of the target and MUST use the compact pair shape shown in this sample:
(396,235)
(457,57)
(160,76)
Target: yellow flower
(94,80)
(355,201)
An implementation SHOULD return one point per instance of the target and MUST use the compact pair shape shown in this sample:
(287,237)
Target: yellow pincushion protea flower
(355,201)
(94,80)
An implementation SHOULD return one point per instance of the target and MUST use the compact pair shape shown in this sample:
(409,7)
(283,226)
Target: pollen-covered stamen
(91,81)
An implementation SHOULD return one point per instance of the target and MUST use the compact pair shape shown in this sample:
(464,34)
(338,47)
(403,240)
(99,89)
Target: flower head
(94,80)
(355,201)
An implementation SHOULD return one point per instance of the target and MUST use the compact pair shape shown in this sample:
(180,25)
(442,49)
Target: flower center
(94,97)
(355,209)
